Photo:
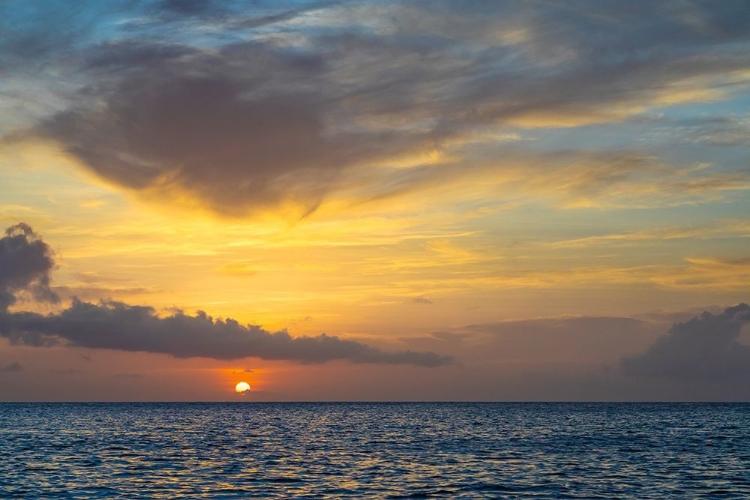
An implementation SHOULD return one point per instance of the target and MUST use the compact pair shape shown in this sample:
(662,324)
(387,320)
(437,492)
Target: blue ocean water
(374,450)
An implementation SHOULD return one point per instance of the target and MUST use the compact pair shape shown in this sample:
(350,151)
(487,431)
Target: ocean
(374,450)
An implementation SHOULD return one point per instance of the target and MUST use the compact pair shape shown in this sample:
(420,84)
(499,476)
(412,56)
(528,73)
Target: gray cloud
(287,117)
(238,139)
(115,325)
(702,349)
(25,265)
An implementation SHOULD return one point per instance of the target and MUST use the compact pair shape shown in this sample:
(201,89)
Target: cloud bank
(25,261)
(705,348)
(115,325)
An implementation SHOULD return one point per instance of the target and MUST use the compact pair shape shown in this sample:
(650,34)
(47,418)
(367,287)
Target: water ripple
(363,450)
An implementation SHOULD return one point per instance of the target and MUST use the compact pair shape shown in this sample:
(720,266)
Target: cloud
(705,348)
(707,274)
(25,265)
(725,131)
(12,368)
(421,300)
(115,325)
(281,109)
(722,228)
(222,128)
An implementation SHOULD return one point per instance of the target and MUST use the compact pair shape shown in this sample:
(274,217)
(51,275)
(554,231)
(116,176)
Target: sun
(242,387)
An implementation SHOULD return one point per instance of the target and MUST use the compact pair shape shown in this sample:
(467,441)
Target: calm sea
(373,450)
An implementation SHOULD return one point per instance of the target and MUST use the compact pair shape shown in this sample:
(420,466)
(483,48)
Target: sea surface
(374,450)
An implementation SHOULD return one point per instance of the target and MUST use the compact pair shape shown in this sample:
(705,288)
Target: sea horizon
(639,402)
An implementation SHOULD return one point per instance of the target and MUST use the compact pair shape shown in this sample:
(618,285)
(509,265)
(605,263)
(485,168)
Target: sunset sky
(374,200)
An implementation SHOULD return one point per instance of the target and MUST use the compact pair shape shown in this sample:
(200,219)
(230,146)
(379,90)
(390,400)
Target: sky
(374,200)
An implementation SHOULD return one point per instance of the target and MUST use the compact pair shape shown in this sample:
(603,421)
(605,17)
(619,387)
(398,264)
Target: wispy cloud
(726,228)
(199,115)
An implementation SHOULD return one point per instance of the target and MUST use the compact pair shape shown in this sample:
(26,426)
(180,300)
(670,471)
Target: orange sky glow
(374,201)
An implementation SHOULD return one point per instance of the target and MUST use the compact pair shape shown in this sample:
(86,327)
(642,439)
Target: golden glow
(343,272)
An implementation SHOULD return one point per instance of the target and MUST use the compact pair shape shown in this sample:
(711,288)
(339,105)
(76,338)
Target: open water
(374,450)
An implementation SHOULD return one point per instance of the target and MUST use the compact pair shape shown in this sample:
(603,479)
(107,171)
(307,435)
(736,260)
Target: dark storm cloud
(702,349)
(270,106)
(114,325)
(25,265)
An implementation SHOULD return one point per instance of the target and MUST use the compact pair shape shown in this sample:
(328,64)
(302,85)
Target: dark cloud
(114,325)
(291,116)
(25,265)
(705,348)
(224,128)
(12,368)
(421,300)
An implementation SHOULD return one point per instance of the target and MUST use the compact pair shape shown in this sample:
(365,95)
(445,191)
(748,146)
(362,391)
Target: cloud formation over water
(119,326)
(706,348)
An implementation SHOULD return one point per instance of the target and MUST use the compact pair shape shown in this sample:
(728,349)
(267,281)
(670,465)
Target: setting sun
(242,387)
